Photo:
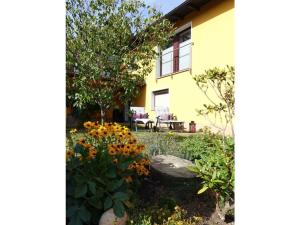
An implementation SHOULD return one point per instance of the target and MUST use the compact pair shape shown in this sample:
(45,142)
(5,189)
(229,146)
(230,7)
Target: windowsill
(171,74)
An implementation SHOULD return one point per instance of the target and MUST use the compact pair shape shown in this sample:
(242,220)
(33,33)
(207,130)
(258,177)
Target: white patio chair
(164,116)
(139,111)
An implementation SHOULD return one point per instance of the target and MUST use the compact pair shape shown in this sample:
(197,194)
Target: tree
(110,46)
(221,82)
(218,83)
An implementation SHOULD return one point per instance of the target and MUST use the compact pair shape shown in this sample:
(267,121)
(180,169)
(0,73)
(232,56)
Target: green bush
(214,163)
(103,170)
(161,143)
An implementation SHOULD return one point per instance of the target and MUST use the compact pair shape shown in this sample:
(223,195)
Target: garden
(109,168)
(110,175)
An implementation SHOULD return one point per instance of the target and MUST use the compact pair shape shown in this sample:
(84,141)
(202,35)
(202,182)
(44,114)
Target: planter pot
(109,218)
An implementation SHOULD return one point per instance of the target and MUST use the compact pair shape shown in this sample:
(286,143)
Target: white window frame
(157,92)
(158,62)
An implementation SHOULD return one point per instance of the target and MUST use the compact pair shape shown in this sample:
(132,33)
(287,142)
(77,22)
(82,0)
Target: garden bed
(158,202)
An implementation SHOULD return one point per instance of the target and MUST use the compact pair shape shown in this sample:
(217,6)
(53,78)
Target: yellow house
(204,39)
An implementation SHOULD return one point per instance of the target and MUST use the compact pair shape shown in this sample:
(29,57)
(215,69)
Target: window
(160,98)
(176,55)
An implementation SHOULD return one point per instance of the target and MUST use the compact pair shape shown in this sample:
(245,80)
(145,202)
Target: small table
(172,124)
(144,121)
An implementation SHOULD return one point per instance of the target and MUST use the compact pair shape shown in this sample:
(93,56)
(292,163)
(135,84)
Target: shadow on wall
(211,10)
(140,101)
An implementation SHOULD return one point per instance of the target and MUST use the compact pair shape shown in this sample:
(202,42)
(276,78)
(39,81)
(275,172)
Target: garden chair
(140,116)
(163,116)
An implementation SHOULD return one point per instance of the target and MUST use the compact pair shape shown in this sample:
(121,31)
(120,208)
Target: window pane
(167,68)
(161,100)
(185,55)
(166,57)
(167,61)
(184,62)
(185,48)
(185,35)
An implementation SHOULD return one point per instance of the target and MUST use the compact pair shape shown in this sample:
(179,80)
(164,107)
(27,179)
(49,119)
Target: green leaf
(99,180)
(193,169)
(111,173)
(214,175)
(107,203)
(124,165)
(75,220)
(129,204)
(119,209)
(92,187)
(72,210)
(96,202)
(80,191)
(80,179)
(121,196)
(84,214)
(115,184)
(203,189)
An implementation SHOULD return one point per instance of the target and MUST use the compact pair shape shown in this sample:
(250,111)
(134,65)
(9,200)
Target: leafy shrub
(192,147)
(161,143)
(102,172)
(214,163)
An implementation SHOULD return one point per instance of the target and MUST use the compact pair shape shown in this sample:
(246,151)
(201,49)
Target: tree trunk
(102,114)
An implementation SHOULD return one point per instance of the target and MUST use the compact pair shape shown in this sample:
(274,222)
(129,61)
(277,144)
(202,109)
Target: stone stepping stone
(172,166)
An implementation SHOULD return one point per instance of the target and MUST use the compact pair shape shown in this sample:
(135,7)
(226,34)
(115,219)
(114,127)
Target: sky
(164,5)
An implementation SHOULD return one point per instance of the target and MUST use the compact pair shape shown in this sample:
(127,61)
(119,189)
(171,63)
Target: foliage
(154,214)
(102,171)
(161,143)
(214,164)
(110,46)
(221,81)
(193,146)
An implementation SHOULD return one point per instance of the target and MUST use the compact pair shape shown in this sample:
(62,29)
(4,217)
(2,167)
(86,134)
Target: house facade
(204,39)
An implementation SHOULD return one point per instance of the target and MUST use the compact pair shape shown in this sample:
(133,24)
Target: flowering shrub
(103,168)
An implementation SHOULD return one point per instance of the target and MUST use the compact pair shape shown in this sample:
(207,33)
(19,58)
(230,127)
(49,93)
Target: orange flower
(88,124)
(87,145)
(126,152)
(128,179)
(112,151)
(69,153)
(81,141)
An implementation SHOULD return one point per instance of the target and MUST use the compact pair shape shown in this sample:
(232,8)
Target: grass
(166,142)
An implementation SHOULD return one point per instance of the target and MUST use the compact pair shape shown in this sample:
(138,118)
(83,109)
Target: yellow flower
(112,151)
(69,153)
(81,141)
(92,154)
(72,131)
(88,125)
(115,161)
(132,166)
(170,133)
(87,145)
(128,179)
(146,172)
(94,133)
(126,152)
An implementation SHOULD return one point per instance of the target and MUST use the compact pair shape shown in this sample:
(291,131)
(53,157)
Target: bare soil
(183,194)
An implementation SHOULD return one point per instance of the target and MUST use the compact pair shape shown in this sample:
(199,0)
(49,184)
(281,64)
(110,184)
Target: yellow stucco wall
(213,45)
